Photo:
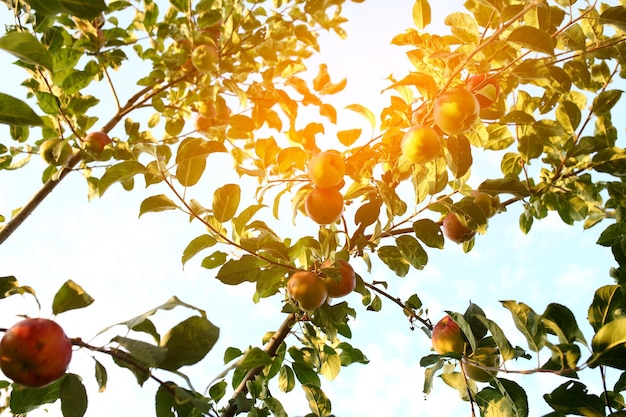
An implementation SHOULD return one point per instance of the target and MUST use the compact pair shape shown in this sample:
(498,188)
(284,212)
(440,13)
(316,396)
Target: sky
(130,264)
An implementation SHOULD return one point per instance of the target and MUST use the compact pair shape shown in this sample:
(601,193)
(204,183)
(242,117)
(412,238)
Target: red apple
(447,337)
(95,142)
(35,352)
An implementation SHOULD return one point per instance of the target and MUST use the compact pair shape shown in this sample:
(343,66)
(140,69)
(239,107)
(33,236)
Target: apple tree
(535,82)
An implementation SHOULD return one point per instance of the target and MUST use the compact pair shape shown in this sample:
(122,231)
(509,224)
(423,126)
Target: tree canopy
(223,85)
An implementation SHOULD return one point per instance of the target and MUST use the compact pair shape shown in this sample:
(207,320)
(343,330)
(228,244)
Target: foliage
(558,65)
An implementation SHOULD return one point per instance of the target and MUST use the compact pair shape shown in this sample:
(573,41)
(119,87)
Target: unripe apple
(307,289)
(447,337)
(204,57)
(456,231)
(473,364)
(35,352)
(488,204)
(56,151)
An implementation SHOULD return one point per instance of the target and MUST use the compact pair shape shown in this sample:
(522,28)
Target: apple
(324,205)
(488,204)
(204,57)
(344,284)
(307,289)
(56,151)
(456,111)
(447,337)
(95,142)
(485,88)
(483,357)
(420,144)
(326,169)
(456,231)
(35,352)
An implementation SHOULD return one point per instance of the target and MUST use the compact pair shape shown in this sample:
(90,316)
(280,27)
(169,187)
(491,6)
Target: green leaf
(156,203)
(217,258)
(528,323)
(560,321)
(14,111)
(615,16)
(143,352)
(46,7)
(188,342)
(286,379)
(24,399)
(254,358)
(331,363)
(533,39)
(73,396)
(429,232)
(196,245)
(412,251)
(573,398)
(101,376)
(120,172)
(226,202)
(191,159)
(421,13)
(236,271)
(318,401)
(27,48)
(605,101)
(609,345)
(459,155)
(69,297)
(504,186)
(392,257)
(306,375)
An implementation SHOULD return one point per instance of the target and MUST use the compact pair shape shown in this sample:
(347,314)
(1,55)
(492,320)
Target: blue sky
(131,265)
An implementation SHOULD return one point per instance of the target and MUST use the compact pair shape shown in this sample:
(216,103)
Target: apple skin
(326,169)
(456,111)
(483,356)
(56,151)
(96,141)
(447,337)
(456,231)
(307,289)
(344,286)
(35,352)
(205,57)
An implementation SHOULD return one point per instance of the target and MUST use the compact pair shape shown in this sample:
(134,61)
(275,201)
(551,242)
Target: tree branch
(271,348)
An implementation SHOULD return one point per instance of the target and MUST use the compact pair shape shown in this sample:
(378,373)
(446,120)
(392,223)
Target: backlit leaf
(196,245)
(26,47)
(363,111)
(236,271)
(156,203)
(421,13)
(14,111)
(188,342)
(226,202)
(533,39)
(69,297)
(73,396)
(120,172)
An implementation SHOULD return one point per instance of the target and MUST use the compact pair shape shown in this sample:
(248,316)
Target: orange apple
(447,337)
(456,111)
(35,352)
(307,289)
(420,144)
(324,205)
(326,169)
(344,284)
